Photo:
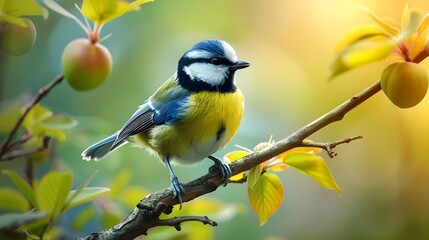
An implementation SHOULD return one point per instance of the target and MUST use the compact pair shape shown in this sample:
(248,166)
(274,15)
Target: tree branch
(6,144)
(25,152)
(146,214)
(330,145)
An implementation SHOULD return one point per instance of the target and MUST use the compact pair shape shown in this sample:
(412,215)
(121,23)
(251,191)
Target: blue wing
(166,106)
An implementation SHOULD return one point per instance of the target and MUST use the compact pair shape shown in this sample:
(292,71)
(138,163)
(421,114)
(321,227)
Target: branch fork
(328,146)
(7,145)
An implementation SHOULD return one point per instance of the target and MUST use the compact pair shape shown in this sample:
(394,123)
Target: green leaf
(40,121)
(18,8)
(82,218)
(313,166)
(59,122)
(12,200)
(9,114)
(15,220)
(85,195)
(22,186)
(76,192)
(361,53)
(52,191)
(53,133)
(35,115)
(254,175)
(266,196)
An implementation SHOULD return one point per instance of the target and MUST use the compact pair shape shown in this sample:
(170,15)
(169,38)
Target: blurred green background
(289,44)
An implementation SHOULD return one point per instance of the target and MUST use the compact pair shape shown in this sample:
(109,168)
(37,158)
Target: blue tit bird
(191,116)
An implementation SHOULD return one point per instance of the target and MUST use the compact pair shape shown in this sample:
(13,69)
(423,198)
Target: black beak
(239,65)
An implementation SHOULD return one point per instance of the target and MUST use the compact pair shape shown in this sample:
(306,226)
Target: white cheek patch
(208,73)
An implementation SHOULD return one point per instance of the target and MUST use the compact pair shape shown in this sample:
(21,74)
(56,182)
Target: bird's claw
(177,189)
(224,169)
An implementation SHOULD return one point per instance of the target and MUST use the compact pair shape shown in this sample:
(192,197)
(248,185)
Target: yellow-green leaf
(234,156)
(9,114)
(18,8)
(11,200)
(103,11)
(60,122)
(22,186)
(254,175)
(367,52)
(85,195)
(381,22)
(38,131)
(40,121)
(52,191)
(361,53)
(313,166)
(70,197)
(14,20)
(266,196)
(357,34)
(16,220)
(35,115)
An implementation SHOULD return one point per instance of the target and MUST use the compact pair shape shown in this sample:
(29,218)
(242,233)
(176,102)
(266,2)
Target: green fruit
(86,65)
(17,40)
(404,83)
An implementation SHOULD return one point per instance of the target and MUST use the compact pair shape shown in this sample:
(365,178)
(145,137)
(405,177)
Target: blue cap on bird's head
(209,66)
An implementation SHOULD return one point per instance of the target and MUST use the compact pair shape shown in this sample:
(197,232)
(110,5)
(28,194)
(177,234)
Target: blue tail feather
(99,150)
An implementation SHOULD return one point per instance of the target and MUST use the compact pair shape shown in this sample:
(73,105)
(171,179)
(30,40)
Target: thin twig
(176,221)
(132,225)
(328,146)
(23,139)
(6,145)
(25,152)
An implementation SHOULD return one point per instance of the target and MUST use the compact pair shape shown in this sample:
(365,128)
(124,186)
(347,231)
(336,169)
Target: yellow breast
(211,122)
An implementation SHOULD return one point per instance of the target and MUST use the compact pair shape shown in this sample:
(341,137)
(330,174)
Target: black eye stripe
(215,61)
(222,61)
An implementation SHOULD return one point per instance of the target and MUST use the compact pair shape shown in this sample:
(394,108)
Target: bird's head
(209,65)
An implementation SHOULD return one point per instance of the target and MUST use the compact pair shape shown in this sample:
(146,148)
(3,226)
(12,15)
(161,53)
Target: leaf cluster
(264,187)
(33,208)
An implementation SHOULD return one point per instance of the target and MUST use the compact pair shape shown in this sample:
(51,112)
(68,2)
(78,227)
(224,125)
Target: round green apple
(17,40)
(86,65)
